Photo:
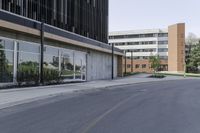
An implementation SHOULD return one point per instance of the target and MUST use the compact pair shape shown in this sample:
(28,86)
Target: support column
(15,63)
(125,63)
(59,67)
(131,61)
(74,58)
(42,53)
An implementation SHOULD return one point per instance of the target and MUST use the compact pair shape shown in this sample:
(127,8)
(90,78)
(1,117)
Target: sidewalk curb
(7,105)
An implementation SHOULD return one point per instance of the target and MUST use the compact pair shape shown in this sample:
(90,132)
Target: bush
(130,73)
(27,77)
(157,75)
(52,76)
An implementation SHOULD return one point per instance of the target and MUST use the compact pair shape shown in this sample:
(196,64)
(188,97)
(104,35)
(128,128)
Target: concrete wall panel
(100,66)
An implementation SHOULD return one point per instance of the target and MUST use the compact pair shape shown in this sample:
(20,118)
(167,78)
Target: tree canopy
(194,59)
(155,62)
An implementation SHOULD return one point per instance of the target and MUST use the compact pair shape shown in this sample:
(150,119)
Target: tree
(191,41)
(194,59)
(155,63)
(3,65)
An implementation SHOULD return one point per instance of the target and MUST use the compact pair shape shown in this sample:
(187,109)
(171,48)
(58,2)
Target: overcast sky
(147,14)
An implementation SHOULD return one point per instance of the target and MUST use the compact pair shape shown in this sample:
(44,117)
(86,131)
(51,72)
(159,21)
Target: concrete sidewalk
(18,96)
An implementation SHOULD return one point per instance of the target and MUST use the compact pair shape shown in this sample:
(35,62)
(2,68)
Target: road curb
(7,105)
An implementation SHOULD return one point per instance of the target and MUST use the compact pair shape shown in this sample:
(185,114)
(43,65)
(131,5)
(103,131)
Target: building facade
(74,47)
(139,45)
(88,18)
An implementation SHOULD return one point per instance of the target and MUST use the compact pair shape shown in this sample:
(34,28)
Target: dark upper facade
(84,17)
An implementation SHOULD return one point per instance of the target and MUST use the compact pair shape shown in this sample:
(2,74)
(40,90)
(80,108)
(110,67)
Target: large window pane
(28,67)
(80,65)
(51,50)
(29,47)
(51,64)
(67,65)
(78,68)
(6,44)
(28,59)
(6,66)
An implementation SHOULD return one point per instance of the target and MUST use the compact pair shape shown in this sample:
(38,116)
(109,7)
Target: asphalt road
(161,107)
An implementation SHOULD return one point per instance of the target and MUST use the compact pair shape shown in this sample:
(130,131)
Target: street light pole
(125,62)
(112,61)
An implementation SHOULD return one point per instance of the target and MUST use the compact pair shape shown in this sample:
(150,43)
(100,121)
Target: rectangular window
(6,44)
(163,42)
(128,65)
(163,57)
(80,65)
(163,35)
(163,50)
(67,65)
(144,65)
(6,66)
(28,67)
(137,66)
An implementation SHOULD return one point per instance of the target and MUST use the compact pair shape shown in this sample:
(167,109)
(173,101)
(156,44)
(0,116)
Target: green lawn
(182,74)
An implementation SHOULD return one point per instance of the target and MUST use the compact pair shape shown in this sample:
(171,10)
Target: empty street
(157,107)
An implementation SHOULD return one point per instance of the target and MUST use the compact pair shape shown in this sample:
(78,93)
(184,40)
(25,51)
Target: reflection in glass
(67,66)
(29,47)
(51,64)
(28,67)
(6,66)
(80,66)
(51,50)
(6,44)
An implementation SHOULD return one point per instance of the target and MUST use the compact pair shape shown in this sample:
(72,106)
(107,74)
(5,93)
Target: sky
(148,14)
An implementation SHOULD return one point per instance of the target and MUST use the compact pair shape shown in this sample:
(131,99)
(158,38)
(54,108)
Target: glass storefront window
(29,47)
(59,63)
(6,66)
(1,44)
(51,50)
(67,65)
(28,60)
(28,67)
(51,64)
(6,60)
(6,44)
(80,65)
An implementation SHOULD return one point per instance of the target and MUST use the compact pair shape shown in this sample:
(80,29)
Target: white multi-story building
(142,43)
(139,45)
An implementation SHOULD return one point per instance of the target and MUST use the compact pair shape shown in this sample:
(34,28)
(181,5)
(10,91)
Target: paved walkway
(18,96)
